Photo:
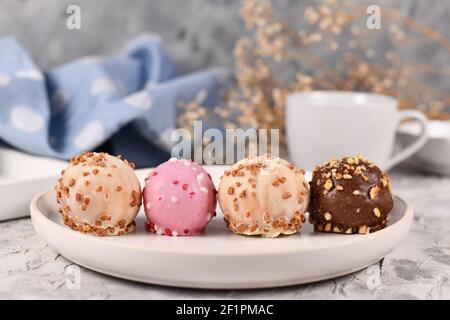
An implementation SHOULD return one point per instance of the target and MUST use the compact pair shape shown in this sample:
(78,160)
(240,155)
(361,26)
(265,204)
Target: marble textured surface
(418,269)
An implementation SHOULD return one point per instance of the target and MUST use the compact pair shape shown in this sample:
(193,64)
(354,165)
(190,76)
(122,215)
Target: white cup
(322,125)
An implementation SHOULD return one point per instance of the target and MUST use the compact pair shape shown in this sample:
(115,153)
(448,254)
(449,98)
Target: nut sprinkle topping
(354,192)
(91,203)
(264,196)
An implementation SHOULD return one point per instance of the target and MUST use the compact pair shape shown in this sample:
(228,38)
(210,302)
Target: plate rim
(37,216)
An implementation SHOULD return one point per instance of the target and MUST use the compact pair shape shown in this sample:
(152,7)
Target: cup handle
(417,144)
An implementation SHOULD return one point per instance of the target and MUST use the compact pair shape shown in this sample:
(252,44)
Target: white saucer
(434,155)
(219,259)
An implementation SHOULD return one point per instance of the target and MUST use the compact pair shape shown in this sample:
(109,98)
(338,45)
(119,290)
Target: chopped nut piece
(347,176)
(340,188)
(121,223)
(230,190)
(356,192)
(328,216)
(363,229)
(86,200)
(377,212)
(384,181)
(374,192)
(328,185)
(286,195)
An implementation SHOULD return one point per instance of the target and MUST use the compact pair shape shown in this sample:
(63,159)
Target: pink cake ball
(179,198)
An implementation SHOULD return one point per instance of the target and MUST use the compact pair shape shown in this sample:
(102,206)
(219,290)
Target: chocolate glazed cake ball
(263,196)
(99,194)
(349,196)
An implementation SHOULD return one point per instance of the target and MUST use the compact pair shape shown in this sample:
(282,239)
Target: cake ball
(351,195)
(99,194)
(179,198)
(264,196)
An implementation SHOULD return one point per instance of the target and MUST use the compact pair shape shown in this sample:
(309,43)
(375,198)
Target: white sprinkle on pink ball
(192,198)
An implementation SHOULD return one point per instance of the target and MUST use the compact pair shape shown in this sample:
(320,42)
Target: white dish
(219,259)
(434,156)
(21,176)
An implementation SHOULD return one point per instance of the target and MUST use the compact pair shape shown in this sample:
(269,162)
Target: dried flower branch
(330,53)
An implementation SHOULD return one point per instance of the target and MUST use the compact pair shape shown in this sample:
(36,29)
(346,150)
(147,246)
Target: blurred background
(308,44)
(197,33)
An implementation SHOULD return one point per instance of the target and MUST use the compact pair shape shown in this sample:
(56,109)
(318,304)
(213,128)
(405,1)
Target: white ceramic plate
(219,259)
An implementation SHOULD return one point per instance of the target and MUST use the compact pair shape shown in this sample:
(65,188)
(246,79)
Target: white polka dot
(59,100)
(201,96)
(173,199)
(140,100)
(31,74)
(174,233)
(203,189)
(148,205)
(4,80)
(173,160)
(26,119)
(90,136)
(200,177)
(102,85)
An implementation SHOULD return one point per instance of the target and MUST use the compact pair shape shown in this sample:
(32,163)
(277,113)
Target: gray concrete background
(198,33)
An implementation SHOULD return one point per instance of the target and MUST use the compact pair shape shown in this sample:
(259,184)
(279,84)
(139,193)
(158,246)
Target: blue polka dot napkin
(131,99)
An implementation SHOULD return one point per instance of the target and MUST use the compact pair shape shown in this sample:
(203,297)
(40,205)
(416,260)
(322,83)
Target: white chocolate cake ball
(264,196)
(99,194)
